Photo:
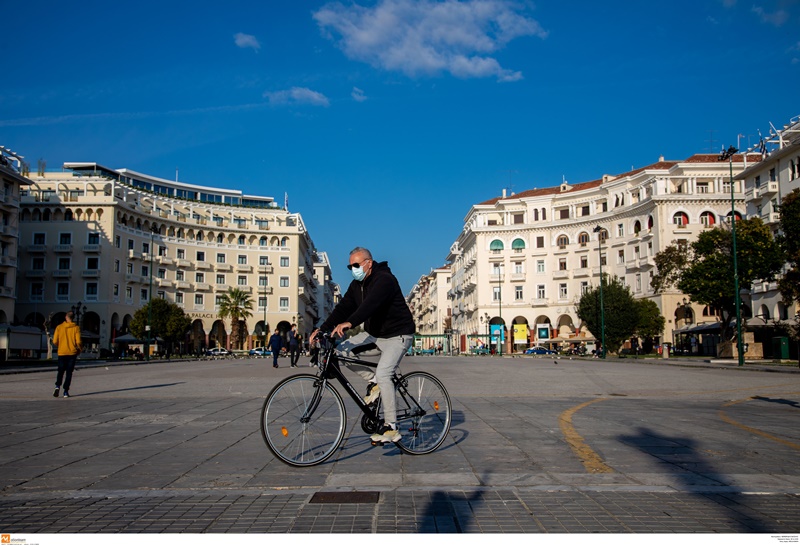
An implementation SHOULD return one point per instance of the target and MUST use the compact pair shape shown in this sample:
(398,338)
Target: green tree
(620,312)
(789,240)
(167,320)
(650,324)
(704,268)
(235,305)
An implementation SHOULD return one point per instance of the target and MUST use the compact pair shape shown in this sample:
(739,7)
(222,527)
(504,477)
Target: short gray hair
(359,249)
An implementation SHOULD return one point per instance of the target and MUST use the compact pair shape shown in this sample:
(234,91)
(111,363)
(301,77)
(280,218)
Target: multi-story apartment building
(327,291)
(112,239)
(430,308)
(766,184)
(522,261)
(12,169)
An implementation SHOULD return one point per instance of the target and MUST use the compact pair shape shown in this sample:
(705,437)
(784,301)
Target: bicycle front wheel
(303,420)
(424,412)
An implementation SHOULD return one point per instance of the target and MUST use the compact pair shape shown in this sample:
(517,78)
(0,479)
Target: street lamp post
(500,309)
(78,309)
(264,285)
(599,231)
(686,309)
(728,154)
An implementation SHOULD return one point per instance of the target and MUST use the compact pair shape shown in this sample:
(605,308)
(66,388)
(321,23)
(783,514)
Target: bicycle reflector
(436,405)
(284,431)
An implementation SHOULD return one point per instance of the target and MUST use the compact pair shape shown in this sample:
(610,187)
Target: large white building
(766,184)
(523,260)
(430,306)
(111,239)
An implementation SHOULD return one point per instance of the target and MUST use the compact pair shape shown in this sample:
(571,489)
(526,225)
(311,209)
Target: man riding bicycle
(374,298)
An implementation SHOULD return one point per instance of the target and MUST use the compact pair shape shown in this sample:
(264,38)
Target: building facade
(766,184)
(522,261)
(105,241)
(430,306)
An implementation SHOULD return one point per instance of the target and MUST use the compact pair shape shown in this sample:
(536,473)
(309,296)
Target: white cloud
(296,95)
(246,40)
(429,37)
(358,95)
(776,18)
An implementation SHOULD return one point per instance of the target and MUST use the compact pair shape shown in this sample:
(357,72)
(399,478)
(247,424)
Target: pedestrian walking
(67,340)
(294,346)
(275,345)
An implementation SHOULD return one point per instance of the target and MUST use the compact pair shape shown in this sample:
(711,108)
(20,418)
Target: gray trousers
(389,352)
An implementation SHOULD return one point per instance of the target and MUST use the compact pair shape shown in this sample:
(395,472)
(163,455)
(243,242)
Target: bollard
(665,351)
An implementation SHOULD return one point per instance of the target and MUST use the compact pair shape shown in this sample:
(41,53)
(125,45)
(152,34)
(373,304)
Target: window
(201,256)
(680,218)
(262,281)
(496,246)
(145,270)
(64,263)
(583,239)
(162,273)
(603,261)
(130,244)
(562,241)
(143,294)
(519,218)
(181,253)
(584,287)
(179,298)
(702,188)
(518,245)
(242,280)
(638,285)
(65,238)
(241,238)
(637,227)
(129,292)
(37,291)
(584,262)
(220,258)
(92,263)
(115,291)
(540,242)
(161,294)
(284,282)
(94,238)
(38,238)
(220,279)
(200,277)
(563,214)
(496,293)
(116,265)
(162,251)
(180,275)
(242,260)
(518,293)
(708,218)
(145,248)
(284,302)
(603,235)
(117,241)
(562,264)
(540,293)
(540,266)
(263,261)
(620,230)
(585,210)
(562,291)
(91,291)
(218,300)
(37,263)
(284,262)
(518,268)
(198,299)
(621,256)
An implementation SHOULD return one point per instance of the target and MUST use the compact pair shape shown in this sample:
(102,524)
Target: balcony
(37,248)
(223,267)
(202,265)
(771,217)
(537,302)
(63,248)
(265,290)
(133,278)
(91,248)
(560,274)
(202,286)
(163,282)
(518,277)
(37,273)
(265,269)
(243,267)
(769,188)
(165,260)
(752,193)
(91,273)
(8,261)
(62,273)
(6,291)
(221,287)
(183,285)
(183,264)
(581,273)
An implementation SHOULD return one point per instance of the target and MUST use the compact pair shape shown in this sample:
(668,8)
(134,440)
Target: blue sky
(384,121)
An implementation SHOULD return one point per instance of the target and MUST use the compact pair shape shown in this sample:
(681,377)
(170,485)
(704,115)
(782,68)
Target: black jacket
(377,302)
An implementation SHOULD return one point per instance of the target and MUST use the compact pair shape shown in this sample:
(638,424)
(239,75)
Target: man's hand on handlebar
(339,330)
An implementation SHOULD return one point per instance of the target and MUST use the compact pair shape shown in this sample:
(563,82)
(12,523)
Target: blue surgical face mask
(358,273)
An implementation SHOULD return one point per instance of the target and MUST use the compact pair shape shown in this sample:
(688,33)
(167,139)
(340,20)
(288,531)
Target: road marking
(591,461)
(755,431)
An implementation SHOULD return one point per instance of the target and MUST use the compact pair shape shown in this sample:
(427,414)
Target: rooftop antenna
(176,174)
(711,140)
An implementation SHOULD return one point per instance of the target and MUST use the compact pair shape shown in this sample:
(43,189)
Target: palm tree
(236,305)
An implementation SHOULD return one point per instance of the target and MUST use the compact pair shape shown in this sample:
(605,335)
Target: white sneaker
(373,393)
(386,434)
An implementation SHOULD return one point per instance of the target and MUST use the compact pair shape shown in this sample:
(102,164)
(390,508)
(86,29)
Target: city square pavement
(537,445)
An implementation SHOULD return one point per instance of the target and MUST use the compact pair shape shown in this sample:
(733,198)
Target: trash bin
(665,350)
(780,348)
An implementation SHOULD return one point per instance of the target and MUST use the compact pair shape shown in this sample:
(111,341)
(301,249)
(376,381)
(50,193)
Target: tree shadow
(695,475)
(781,401)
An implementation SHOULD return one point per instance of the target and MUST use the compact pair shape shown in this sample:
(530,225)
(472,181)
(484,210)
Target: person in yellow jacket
(67,340)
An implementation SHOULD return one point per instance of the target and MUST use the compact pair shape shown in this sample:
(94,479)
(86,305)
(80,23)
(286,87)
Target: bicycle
(303,420)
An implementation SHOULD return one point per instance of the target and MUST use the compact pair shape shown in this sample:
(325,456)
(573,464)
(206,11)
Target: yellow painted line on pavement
(588,457)
(754,431)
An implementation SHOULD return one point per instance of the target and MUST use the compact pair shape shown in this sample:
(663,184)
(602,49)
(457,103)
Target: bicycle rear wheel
(302,422)
(424,413)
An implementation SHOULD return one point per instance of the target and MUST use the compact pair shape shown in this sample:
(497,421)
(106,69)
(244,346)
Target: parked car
(260,352)
(539,350)
(219,352)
